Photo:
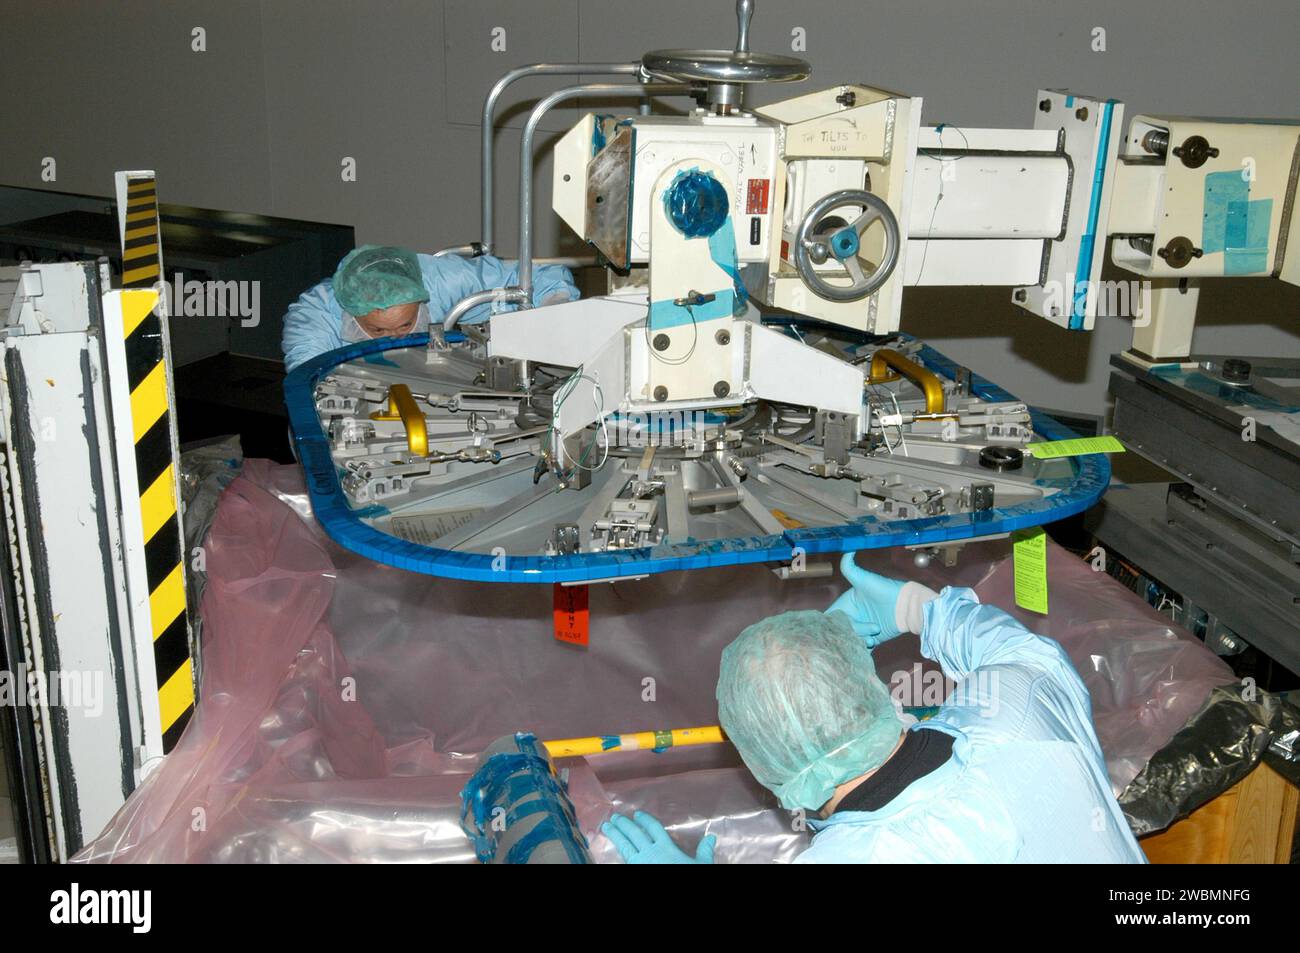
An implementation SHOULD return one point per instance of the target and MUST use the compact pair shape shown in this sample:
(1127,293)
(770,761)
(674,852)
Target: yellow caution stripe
(155,453)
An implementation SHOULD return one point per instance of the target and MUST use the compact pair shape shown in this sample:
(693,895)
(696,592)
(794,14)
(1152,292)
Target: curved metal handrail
(513,294)
(489,123)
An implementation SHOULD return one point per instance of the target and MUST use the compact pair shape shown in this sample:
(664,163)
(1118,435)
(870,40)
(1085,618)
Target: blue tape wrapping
(722,250)
(696,203)
(501,783)
(693,203)
(1089,477)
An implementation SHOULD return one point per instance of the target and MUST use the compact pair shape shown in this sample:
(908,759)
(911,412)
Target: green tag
(1075,448)
(1029,555)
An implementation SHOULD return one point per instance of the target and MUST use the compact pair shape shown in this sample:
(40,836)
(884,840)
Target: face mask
(353,331)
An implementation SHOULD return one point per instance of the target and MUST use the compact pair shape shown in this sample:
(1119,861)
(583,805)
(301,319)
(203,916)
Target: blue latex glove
(870,603)
(642,840)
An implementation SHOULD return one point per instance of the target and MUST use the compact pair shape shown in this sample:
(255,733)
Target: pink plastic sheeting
(342,701)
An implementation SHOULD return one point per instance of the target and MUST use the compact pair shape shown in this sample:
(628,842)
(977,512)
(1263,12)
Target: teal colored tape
(722,248)
(665,314)
(1234,224)
(1223,192)
(1252,256)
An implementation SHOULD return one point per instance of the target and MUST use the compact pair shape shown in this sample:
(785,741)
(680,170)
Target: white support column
(1166,333)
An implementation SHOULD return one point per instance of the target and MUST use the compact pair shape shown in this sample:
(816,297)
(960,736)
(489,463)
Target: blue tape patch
(1089,476)
(666,314)
(1235,225)
(1223,192)
(598,134)
(722,249)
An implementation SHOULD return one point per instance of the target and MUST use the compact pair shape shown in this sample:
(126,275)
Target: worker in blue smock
(1009,770)
(382,291)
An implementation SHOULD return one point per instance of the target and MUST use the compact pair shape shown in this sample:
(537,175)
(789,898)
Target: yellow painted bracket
(884,359)
(402,406)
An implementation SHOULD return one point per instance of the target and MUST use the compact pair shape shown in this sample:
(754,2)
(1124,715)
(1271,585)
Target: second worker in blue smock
(383,291)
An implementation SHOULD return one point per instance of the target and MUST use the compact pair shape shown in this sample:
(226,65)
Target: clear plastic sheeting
(343,702)
(207,468)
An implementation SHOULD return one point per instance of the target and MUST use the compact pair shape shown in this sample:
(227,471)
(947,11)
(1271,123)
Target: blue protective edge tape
(1091,476)
(1087,246)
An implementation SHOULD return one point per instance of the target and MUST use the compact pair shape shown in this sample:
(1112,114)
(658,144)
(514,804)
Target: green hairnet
(378,276)
(799,697)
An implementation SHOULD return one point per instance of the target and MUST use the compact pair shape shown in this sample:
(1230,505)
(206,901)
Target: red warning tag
(572,620)
(760,191)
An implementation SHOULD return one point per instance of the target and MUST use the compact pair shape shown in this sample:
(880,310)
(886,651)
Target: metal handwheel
(813,247)
(723,69)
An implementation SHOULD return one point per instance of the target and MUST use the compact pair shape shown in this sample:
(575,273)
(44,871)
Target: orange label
(572,620)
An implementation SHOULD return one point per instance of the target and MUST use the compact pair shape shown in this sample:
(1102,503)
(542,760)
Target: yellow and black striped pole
(141,244)
(154,436)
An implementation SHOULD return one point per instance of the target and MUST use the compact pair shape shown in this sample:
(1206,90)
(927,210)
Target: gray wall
(261,121)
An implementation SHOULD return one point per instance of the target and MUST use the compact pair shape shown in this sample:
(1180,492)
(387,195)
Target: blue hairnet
(378,276)
(799,698)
